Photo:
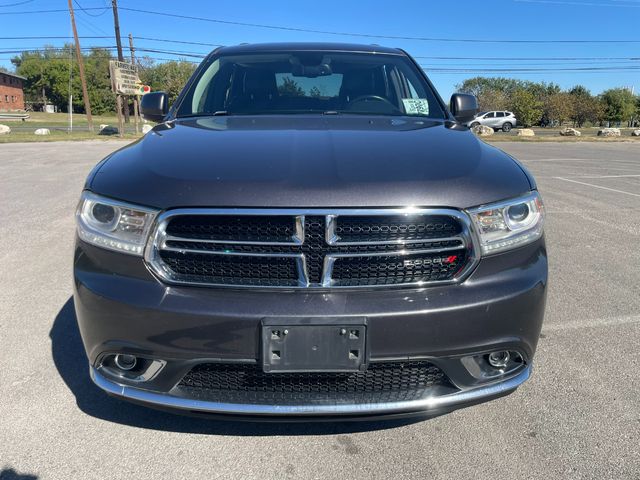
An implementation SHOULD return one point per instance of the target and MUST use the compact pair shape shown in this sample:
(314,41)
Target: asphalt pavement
(578,416)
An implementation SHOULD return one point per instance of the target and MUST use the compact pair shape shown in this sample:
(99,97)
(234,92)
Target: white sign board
(124,78)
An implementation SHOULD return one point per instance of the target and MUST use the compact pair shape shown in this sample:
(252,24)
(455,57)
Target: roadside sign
(125,79)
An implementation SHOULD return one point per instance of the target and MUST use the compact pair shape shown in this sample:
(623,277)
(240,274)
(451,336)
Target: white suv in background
(498,120)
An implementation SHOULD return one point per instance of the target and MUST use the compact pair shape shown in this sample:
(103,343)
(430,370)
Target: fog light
(125,362)
(499,359)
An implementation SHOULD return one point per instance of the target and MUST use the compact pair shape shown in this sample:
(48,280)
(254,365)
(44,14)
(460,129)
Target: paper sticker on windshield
(416,106)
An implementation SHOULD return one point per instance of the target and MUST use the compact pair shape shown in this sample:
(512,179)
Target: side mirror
(154,106)
(463,106)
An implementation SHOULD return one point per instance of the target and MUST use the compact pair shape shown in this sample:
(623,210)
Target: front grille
(322,249)
(384,381)
(233,269)
(394,228)
(394,270)
(241,228)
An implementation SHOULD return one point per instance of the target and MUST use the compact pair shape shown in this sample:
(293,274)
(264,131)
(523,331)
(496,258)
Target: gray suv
(498,120)
(309,232)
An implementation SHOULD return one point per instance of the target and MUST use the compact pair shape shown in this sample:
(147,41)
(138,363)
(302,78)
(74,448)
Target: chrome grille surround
(158,238)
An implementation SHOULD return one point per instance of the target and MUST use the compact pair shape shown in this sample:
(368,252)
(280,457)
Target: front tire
(507,127)
(474,125)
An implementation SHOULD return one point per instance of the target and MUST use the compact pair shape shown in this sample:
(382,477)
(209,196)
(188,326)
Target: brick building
(11,94)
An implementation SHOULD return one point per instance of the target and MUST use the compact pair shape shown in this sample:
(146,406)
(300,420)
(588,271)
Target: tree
(492,93)
(527,108)
(169,77)
(586,108)
(290,88)
(558,107)
(315,92)
(619,105)
(52,75)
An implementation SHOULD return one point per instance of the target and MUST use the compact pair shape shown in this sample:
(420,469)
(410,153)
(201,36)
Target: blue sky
(489,20)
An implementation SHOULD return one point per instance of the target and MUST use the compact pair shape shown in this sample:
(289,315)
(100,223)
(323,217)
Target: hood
(309,161)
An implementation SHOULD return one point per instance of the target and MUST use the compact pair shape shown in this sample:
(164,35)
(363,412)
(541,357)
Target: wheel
(507,127)
(474,125)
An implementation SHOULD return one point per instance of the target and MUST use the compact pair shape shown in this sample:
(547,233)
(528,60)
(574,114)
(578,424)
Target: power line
(367,35)
(16,4)
(90,14)
(531,70)
(452,69)
(529,58)
(52,37)
(328,32)
(179,41)
(168,40)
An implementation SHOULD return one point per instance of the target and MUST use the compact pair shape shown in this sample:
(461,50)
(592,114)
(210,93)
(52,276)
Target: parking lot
(578,416)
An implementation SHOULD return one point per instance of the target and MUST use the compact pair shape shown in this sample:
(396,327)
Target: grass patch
(58,136)
(553,138)
(58,123)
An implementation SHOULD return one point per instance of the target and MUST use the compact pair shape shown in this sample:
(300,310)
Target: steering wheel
(378,98)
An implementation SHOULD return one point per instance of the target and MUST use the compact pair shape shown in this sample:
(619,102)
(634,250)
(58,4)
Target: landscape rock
(636,133)
(526,132)
(146,128)
(4,129)
(609,132)
(570,132)
(42,131)
(483,130)
(108,130)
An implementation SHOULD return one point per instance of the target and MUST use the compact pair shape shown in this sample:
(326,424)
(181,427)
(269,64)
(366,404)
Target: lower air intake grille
(379,377)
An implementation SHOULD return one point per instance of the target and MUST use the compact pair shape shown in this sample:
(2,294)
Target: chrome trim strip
(422,251)
(298,237)
(154,368)
(158,237)
(172,238)
(233,254)
(421,405)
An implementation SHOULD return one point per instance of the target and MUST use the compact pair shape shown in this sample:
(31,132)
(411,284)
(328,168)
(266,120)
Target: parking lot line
(597,186)
(607,176)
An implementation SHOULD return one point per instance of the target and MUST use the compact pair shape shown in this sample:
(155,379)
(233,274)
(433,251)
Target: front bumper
(122,308)
(427,405)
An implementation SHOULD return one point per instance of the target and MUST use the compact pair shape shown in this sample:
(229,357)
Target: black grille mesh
(248,228)
(390,377)
(395,227)
(233,269)
(394,269)
(424,232)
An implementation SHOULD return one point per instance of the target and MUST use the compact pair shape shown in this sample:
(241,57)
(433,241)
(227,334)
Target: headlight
(112,224)
(509,224)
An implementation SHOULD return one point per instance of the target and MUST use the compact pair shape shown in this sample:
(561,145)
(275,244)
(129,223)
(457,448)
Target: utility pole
(83,80)
(135,98)
(116,23)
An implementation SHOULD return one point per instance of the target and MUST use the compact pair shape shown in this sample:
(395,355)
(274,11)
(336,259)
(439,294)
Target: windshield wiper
(331,112)
(220,113)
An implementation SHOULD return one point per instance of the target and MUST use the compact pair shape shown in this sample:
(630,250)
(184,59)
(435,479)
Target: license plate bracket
(314,345)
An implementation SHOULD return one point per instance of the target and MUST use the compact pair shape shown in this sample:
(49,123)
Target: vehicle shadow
(10,474)
(71,362)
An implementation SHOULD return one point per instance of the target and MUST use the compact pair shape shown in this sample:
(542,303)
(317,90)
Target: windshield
(310,82)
